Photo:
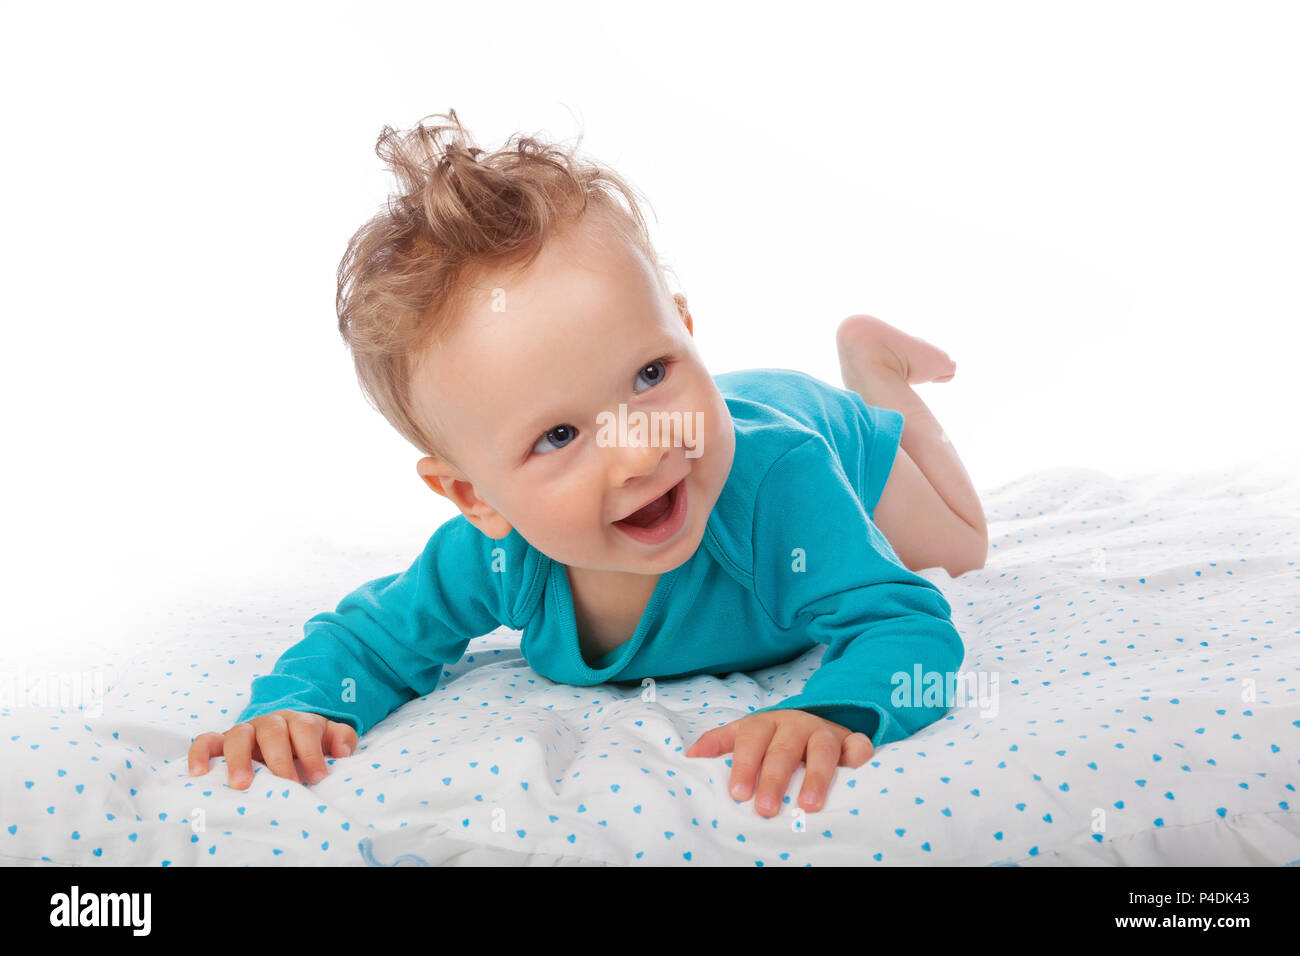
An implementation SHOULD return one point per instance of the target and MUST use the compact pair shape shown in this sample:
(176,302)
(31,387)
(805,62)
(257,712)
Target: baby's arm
(385,644)
(881,622)
(822,567)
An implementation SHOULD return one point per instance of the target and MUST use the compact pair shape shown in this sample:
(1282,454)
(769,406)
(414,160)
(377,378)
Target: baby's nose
(635,461)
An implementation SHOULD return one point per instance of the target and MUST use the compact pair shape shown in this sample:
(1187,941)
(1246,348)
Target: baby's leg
(929,510)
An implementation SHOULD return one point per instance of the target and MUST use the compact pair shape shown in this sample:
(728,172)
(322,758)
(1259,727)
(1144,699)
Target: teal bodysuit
(790,558)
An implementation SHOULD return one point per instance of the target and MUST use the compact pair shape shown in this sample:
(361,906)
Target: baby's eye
(555,439)
(656,369)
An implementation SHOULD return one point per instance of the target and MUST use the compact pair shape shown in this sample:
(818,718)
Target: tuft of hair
(460,211)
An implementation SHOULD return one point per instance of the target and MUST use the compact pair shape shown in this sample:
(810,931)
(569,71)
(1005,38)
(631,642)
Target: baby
(511,319)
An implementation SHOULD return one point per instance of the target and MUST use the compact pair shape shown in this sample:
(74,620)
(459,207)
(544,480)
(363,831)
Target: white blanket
(1133,649)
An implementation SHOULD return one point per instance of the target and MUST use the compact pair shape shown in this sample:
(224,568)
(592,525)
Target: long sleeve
(388,641)
(821,565)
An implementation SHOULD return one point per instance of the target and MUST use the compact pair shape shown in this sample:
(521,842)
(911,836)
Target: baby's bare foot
(865,343)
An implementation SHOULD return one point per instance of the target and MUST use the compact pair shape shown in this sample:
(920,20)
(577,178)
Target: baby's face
(531,371)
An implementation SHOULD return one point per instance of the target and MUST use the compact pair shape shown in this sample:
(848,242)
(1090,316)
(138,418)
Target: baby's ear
(438,475)
(684,312)
(436,484)
(446,481)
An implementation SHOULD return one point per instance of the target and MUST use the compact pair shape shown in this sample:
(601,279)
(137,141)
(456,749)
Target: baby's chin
(675,553)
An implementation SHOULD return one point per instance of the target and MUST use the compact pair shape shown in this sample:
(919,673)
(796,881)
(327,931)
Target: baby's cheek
(574,520)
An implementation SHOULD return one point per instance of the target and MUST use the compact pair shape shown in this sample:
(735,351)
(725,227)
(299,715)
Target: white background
(1092,207)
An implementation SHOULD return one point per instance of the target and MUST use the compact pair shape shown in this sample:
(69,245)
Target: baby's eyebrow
(543,420)
(535,424)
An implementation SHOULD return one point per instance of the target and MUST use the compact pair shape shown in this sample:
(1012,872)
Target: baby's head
(500,310)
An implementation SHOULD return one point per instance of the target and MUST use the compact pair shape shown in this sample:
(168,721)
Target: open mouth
(658,520)
(654,512)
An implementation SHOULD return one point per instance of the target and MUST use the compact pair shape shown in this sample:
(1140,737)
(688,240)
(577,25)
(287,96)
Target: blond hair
(459,211)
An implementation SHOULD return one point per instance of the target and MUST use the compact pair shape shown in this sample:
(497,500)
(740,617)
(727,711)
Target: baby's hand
(785,736)
(274,739)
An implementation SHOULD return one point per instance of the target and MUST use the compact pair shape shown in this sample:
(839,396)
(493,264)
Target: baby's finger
(239,745)
(714,743)
(205,747)
(855,750)
(784,755)
(306,734)
(752,737)
(277,753)
(823,754)
(340,739)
